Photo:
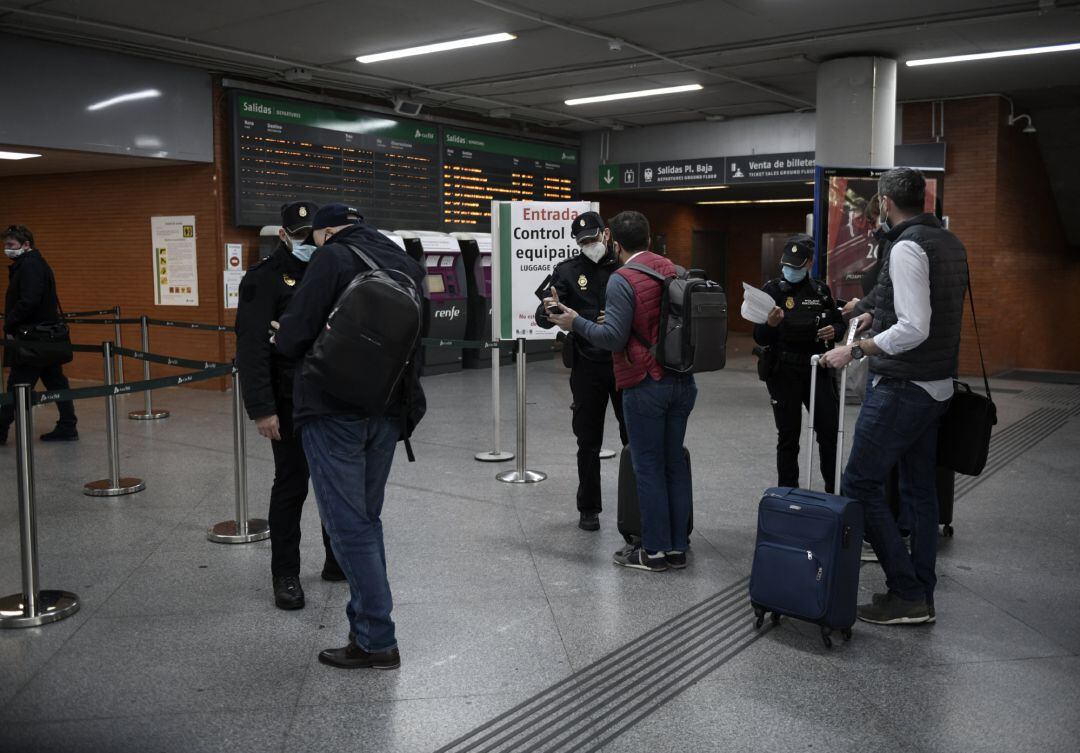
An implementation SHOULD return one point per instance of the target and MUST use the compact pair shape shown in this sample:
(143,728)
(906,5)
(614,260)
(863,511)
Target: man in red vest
(656,402)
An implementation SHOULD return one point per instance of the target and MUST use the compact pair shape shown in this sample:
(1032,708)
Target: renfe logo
(451,313)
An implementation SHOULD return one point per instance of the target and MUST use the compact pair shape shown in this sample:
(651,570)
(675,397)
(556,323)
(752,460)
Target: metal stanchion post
(521,475)
(496,455)
(119,343)
(147,413)
(242,530)
(114,485)
(32,607)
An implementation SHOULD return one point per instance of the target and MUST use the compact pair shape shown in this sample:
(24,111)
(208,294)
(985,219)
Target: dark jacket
(581,284)
(808,306)
(31,294)
(937,357)
(266,376)
(331,269)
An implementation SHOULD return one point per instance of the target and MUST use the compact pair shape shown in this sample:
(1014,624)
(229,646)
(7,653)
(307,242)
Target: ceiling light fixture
(130,97)
(634,95)
(439,47)
(991,55)
(695,188)
(18,155)
(760,201)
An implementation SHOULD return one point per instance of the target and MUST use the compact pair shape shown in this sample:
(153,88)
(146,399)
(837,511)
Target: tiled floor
(499,596)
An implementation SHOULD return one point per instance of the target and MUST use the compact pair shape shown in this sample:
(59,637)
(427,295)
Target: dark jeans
(789,389)
(53,378)
(350,461)
(592,384)
(656,415)
(898,423)
(287,501)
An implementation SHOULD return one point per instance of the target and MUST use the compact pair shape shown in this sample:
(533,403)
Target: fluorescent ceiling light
(990,55)
(131,97)
(18,155)
(440,47)
(695,188)
(633,95)
(760,201)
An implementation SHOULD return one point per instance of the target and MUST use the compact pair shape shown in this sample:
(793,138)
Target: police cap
(798,249)
(297,216)
(587,225)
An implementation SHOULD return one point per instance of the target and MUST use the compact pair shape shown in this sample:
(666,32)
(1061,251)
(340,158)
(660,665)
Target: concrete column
(856,112)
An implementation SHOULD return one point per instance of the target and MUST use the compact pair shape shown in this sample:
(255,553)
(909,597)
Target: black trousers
(592,384)
(789,388)
(287,497)
(53,378)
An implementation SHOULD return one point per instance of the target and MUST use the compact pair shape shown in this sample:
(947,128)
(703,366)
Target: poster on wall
(176,268)
(530,238)
(851,216)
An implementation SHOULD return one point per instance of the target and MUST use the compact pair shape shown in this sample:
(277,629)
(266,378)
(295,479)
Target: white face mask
(303,251)
(594,251)
(14,253)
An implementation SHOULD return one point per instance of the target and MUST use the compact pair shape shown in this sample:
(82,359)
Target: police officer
(266,380)
(804,318)
(580,283)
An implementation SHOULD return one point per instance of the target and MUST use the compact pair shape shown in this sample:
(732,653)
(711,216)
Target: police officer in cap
(804,319)
(266,380)
(580,283)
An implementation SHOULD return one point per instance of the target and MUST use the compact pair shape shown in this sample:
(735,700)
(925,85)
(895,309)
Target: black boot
(62,433)
(288,594)
(331,570)
(354,657)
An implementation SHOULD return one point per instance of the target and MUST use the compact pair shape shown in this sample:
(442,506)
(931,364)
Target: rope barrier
(114,321)
(188,325)
(126,388)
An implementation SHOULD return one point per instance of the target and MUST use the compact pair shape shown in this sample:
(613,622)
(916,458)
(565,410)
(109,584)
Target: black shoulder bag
(50,333)
(964,435)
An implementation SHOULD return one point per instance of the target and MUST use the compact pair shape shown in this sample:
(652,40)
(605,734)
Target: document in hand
(756,304)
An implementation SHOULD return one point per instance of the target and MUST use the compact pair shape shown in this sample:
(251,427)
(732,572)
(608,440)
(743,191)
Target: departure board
(478,168)
(287,151)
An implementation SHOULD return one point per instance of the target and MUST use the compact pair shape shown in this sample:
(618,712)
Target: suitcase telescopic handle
(815,360)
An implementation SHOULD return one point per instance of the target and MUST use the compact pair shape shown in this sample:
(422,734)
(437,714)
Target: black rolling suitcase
(946,491)
(629,511)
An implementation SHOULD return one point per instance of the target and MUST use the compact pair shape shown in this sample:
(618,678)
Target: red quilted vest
(632,364)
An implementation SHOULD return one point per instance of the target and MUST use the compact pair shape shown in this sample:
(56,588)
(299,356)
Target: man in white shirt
(913,360)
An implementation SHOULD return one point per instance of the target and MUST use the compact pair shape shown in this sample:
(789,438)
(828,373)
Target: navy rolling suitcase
(806,560)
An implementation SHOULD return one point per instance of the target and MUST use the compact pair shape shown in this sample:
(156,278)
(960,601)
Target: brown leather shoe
(354,657)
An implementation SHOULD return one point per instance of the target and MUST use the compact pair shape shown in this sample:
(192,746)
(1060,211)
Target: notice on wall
(530,238)
(234,256)
(232,287)
(176,268)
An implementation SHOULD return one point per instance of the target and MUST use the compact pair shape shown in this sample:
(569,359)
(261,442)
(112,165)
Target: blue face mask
(794,275)
(303,251)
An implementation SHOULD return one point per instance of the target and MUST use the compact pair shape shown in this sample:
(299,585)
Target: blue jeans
(656,413)
(350,461)
(898,423)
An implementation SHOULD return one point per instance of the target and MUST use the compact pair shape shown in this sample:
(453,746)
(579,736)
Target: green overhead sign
(482,142)
(332,119)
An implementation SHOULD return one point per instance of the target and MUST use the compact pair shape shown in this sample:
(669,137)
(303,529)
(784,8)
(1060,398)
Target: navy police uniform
(581,284)
(266,381)
(808,305)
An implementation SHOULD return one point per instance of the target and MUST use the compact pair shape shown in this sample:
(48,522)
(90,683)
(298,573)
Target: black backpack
(367,348)
(693,322)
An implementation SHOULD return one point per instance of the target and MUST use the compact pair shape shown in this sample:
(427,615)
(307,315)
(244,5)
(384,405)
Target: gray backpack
(693,322)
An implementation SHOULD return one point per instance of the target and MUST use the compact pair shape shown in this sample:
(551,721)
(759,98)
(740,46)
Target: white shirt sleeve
(909,270)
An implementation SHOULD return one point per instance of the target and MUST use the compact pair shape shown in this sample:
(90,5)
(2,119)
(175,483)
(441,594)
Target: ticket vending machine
(447,295)
(413,245)
(397,239)
(476,253)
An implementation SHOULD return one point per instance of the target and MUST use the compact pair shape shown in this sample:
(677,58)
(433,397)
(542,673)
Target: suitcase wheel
(775,618)
(759,613)
(825,636)
(947,531)
(846,633)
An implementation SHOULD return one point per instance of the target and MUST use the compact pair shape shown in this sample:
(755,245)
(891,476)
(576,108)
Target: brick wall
(999,201)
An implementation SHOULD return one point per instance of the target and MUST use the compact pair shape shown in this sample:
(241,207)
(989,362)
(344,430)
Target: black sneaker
(288,594)
(61,434)
(637,558)
(676,560)
(332,572)
(589,521)
(890,609)
(354,657)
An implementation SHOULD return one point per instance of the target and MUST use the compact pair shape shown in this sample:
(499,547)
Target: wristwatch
(857,353)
